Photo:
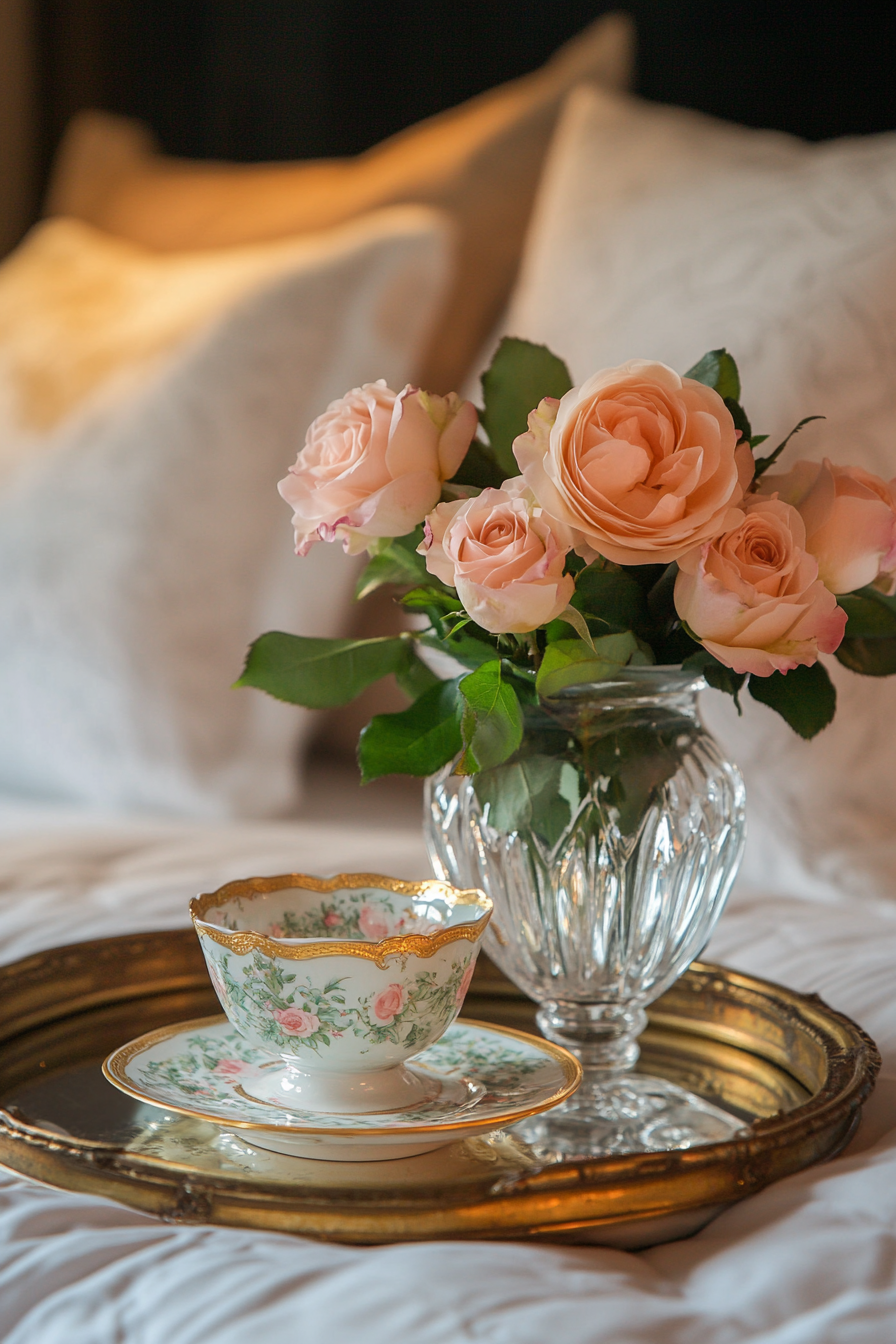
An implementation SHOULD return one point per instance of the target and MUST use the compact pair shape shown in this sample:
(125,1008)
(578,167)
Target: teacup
(343,979)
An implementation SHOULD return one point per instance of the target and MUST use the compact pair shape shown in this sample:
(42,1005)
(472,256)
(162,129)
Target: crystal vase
(608,844)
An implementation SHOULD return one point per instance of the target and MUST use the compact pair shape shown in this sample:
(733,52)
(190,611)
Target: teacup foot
(384,1092)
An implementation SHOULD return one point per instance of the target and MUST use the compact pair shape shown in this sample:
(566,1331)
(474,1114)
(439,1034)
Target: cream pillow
(148,406)
(480,162)
(660,233)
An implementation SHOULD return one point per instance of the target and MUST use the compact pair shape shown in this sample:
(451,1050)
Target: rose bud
(504,557)
(373,464)
(641,463)
(753,596)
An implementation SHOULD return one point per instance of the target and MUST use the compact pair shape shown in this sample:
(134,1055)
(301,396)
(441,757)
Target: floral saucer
(483,1077)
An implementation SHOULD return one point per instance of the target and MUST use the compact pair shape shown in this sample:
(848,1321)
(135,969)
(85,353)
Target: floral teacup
(343,979)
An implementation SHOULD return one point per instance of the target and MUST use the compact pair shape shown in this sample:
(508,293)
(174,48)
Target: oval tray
(794,1069)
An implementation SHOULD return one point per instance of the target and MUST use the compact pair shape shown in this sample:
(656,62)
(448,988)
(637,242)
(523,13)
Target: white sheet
(808,1261)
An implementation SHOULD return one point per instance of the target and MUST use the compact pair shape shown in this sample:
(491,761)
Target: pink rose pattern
(296,1022)
(372,923)
(464,984)
(389,1002)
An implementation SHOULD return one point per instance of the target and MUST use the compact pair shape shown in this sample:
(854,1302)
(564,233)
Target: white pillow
(662,234)
(148,406)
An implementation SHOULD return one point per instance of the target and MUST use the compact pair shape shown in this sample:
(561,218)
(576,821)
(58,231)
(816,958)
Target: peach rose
(850,518)
(504,557)
(753,596)
(372,923)
(641,463)
(373,464)
(389,1002)
(331,919)
(296,1022)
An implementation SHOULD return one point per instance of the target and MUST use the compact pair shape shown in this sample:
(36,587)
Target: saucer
(481,1078)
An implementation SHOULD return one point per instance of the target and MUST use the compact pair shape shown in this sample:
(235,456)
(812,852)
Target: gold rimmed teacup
(343,978)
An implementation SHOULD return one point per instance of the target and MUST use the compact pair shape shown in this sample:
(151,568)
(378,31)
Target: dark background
(280,79)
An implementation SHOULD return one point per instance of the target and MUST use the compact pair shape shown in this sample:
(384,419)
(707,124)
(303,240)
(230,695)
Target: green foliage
(319,673)
(492,722)
(521,374)
(540,793)
(396,561)
(572,662)
(413,676)
(717,675)
(804,697)
(763,463)
(480,468)
(717,370)
(611,598)
(869,646)
(418,741)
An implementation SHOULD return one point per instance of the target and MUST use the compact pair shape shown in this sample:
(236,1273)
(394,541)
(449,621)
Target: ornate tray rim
(665,1194)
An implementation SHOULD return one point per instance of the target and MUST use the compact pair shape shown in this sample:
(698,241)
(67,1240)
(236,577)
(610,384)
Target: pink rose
(373,464)
(296,1022)
(504,557)
(331,919)
(850,518)
(389,1002)
(641,463)
(372,923)
(275,931)
(753,596)
(231,1068)
(464,984)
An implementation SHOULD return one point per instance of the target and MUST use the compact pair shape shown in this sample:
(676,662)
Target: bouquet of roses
(561,534)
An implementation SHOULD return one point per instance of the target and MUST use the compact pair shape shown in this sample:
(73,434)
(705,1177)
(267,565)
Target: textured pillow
(480,162)
(148,406)
(660,233)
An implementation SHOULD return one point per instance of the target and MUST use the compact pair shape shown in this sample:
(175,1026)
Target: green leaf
(869,646)
(870,657)
(427,596)
(539,793)
(763,463)
(394,564)
(870,614)
(571,662)
(492,723)
(480,468)
(717,675)
(520,375)
(413,676)
(318,673)
(466,649)
(739,416)
(805,697)
(717,370)
(418,741)
(610,596)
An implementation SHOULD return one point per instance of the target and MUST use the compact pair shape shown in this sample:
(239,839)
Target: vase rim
(634,683)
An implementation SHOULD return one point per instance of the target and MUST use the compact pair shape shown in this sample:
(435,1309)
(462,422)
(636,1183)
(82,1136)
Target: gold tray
(794,1069)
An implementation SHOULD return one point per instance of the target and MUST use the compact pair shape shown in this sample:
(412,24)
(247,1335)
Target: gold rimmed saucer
(491,1077)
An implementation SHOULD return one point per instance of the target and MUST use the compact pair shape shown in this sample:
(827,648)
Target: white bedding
(812,1260)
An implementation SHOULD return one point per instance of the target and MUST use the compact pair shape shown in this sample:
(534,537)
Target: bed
(131,777)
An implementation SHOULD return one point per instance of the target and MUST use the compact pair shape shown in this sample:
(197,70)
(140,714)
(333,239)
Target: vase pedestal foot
(626,1113)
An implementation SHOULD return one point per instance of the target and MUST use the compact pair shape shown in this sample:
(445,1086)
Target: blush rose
(296,1022)
(372,923)
(504,557)
(850,518)
(373,464)
(641,463)
(753,596)
(389,1002)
